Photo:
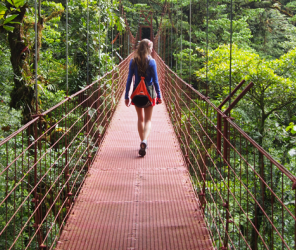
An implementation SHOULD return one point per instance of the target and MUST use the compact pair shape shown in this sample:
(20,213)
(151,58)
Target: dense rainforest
(264,39)
(262,36)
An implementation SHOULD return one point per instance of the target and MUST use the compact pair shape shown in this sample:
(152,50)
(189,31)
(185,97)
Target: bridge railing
(247,198)
(44,163)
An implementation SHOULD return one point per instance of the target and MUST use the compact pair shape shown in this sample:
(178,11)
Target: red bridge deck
(129,202)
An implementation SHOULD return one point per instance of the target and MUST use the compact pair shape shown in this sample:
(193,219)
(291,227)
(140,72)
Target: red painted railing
(44,164)
(242,190)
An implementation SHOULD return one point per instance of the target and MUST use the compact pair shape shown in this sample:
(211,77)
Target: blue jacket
(150,79)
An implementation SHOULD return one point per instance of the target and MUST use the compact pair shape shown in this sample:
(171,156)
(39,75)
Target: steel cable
(190,9)
(192,135)
(36,57)
(67,48)
(207,50)
(181,52)
(230,55)
(87,39)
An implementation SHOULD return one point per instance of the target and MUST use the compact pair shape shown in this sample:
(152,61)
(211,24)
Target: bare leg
(144,121)
(147,127)
(141,123)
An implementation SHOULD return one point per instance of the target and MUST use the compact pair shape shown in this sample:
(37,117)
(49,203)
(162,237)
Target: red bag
(141,97)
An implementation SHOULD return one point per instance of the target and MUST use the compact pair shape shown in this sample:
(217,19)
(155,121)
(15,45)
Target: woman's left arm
(155,78)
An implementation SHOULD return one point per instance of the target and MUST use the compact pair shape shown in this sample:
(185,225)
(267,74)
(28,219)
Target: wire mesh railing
(247,198)
(44,163)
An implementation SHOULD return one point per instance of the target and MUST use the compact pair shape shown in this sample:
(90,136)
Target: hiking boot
(143,147)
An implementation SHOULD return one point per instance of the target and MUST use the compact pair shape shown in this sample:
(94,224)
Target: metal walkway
(129,202)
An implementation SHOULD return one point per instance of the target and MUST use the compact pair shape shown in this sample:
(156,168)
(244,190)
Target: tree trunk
(22,95)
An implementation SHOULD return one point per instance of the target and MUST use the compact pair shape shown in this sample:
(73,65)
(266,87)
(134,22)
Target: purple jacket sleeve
(129,79)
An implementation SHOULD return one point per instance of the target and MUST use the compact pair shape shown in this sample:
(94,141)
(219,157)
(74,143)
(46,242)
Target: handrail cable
(222,176)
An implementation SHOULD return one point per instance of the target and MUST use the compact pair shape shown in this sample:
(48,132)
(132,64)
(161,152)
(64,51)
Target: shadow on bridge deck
(129,202)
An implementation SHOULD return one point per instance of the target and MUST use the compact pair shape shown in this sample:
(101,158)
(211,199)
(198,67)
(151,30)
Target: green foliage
(285,65)
(6,18)
(263,52)
(291,128)
(195,58)
(273,34)
(219,33)
(17,3)
(249,66)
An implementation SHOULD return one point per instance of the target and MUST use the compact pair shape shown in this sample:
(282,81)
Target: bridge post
(37,198)
(128,44)
(178,121)
(98,112)
(219,131)
(104,105)
(219,117)
(87,131)
(188,125)
(112,100)
(67,175)
(226,162)
(163,46)
(180,113)
(205,160)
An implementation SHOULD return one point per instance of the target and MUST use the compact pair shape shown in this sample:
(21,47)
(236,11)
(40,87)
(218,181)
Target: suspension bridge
(204,183)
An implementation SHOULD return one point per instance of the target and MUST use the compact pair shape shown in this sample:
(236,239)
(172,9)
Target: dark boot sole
(142,150)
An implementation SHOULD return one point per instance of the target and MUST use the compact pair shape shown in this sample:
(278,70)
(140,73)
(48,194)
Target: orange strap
(141,90)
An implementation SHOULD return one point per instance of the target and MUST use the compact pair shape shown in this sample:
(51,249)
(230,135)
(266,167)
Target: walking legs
(144,121)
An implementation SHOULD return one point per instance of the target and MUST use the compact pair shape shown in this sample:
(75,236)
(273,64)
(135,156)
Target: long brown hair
(141,55)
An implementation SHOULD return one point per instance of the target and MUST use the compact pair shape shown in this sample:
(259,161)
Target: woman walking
(143,65)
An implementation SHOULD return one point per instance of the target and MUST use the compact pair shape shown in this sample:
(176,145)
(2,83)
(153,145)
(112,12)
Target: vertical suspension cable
(181,41)
(67,48)
(112,30)
(106,44)
(207,48)
(176,58)
(190,43)
(36,57)
(87,38)
(100,35)
(171,37)
(230,55)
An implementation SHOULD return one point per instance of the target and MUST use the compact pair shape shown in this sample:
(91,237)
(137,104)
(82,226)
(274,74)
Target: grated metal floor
(129,202)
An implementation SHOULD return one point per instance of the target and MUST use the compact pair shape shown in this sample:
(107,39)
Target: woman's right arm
(129,80)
